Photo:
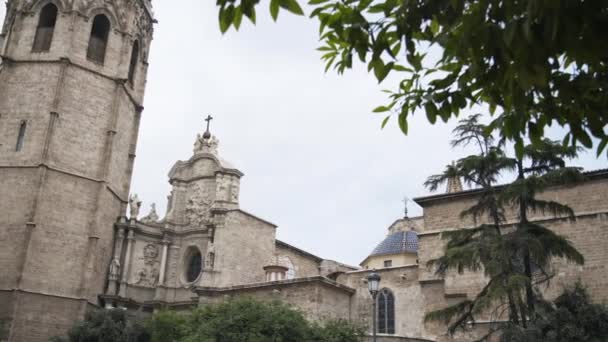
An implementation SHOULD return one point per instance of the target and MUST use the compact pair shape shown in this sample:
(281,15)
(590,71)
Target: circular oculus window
(193,264)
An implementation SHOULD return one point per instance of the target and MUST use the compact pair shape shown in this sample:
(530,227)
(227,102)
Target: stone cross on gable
(207,134)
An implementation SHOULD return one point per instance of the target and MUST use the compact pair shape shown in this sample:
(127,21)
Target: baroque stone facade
(239,255)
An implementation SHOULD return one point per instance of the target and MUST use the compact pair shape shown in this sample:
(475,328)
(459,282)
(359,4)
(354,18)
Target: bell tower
(72,80)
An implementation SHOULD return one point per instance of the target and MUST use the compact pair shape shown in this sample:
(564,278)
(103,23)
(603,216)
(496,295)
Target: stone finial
(152,215)
(202,145)
(134,206)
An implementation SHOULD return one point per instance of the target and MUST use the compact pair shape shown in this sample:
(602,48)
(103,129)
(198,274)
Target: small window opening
(21,136)
(45,29)
(195,265)
(388,263)
(386,312)
(99,39)
(134,60)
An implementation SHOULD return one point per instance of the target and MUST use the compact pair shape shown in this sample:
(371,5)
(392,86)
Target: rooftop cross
(405,200)
(207,134)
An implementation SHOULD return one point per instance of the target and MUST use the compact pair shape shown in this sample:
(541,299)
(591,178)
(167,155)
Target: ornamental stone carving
(147,274)
(198,209)
(147,277)
(152,216)
(202,145)
(150,254)
(120,8)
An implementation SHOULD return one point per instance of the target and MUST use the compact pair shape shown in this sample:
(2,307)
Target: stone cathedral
(73,238)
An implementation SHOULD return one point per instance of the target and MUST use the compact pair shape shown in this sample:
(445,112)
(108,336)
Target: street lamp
(373,285)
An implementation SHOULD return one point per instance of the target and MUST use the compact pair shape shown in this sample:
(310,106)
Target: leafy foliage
(533,63)
(106,326)
(570,318)
(515,257)
(237,320)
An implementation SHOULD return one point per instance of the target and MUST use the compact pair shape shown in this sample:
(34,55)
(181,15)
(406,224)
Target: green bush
(112,325)
(237,320)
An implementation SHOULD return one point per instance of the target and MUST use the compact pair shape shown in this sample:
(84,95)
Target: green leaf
(292,6)
(403,122)
(381,109)
(238,17)
(431,112)
(274,9)
(602,146)
(385,121)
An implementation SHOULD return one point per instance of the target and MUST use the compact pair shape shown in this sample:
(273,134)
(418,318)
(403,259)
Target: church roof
(398,242)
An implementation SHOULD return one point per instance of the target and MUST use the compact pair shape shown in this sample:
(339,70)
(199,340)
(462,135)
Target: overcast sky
(316,162)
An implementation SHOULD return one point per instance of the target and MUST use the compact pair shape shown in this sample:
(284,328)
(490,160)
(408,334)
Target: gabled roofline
(249,215)
(298,250)
(424,200)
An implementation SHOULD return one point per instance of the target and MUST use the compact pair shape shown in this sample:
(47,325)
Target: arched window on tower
(386,312)
(99,39)
(45,29)
(134,60)
(21,136)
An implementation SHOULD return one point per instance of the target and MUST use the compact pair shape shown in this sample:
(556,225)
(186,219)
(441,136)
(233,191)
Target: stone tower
(72,79)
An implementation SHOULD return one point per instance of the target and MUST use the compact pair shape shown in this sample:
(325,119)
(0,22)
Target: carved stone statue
(210,257)
(202,145)
(114,269)
(152,215)
(134,206)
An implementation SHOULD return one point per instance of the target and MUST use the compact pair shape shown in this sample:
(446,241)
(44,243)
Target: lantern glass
(373,282)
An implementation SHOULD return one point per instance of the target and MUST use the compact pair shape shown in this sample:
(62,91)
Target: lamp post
(373,285)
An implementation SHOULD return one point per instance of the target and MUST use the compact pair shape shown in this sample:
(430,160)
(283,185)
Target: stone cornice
(65,172)
(202,291)
(514,222)
(121,81)
(426,200)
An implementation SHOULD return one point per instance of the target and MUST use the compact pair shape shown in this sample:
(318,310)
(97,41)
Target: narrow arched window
(386,312)
(134,60)
(21,136)
(99,39)
(45,29)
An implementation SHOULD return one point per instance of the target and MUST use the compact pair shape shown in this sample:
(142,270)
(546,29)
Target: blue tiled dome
(399,242)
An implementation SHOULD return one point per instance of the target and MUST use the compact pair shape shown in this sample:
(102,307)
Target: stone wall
(304,265)
(243,246)
(317,297)
(589,233)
